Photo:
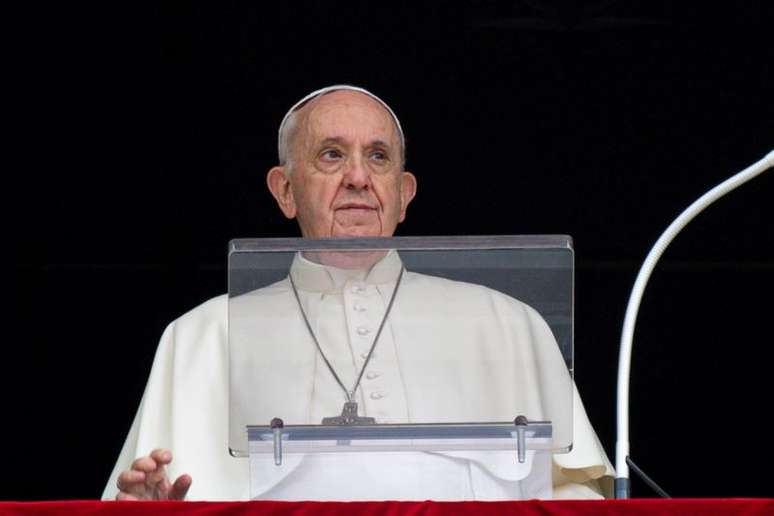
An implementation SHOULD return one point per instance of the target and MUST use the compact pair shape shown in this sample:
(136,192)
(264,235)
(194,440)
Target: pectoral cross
(348,417)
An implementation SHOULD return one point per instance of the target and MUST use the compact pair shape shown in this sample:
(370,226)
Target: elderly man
(341,174)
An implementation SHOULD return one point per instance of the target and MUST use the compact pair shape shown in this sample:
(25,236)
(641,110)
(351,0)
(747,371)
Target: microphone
(622,485)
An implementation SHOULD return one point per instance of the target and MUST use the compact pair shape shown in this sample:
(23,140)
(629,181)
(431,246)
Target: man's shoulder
(213,307)
(204,326)
(260,301)
(470,297)
(461,290)
(214,311)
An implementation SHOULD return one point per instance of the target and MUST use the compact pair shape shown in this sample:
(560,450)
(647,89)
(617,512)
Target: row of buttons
(363,331)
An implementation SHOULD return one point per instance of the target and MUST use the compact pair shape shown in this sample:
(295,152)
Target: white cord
(625,357)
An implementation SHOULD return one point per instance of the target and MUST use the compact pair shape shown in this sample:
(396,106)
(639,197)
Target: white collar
(315,277)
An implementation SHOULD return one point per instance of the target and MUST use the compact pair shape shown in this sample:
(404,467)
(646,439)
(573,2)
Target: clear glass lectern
(412,357)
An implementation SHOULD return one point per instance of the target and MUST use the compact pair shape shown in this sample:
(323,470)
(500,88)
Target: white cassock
(449,352)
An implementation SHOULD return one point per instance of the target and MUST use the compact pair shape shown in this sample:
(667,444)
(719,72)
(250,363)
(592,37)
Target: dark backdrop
(145,136)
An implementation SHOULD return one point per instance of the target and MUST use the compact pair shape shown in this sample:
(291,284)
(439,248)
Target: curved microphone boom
(622,487)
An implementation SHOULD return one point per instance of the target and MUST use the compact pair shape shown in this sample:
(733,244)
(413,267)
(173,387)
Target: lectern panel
(401,331)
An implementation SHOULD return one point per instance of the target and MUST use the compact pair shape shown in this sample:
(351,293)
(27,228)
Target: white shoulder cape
(185,408)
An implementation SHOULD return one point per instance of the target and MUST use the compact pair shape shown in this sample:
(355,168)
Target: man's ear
(279,186)
(408,189)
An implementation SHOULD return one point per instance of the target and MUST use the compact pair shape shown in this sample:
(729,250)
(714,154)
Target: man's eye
(330,154)
(379,155)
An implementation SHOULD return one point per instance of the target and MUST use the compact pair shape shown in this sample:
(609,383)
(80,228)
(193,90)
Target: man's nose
(357,175)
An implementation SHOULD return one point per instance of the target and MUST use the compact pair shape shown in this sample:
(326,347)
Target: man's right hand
(147,480)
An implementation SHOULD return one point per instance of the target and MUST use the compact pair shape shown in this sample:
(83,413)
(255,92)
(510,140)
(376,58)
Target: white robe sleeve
(151,421)
(586,471)
(185,408)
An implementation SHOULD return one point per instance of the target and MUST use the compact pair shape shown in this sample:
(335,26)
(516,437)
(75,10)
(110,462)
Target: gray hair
(287,129)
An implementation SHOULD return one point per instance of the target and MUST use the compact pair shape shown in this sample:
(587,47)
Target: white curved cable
(625,356)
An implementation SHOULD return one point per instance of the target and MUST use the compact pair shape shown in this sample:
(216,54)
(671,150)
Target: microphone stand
(622,484)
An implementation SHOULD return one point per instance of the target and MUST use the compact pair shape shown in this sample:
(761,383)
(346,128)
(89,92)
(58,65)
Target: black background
(143,138)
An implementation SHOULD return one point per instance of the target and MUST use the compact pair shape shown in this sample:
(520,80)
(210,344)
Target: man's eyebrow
(338,140)
(333,139)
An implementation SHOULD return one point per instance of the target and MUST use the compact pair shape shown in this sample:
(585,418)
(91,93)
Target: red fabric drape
(531,507)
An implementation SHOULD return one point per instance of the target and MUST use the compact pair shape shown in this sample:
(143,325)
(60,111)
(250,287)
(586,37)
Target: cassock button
(362,330)
(372,374)
(376,395)
(364,355)
(359,308)
(358,289)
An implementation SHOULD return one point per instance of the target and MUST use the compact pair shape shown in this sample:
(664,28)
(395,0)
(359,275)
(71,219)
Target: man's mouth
(355,219)
(355,207)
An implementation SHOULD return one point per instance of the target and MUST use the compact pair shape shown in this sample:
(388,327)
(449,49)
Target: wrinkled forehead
(345,94)
(345,115)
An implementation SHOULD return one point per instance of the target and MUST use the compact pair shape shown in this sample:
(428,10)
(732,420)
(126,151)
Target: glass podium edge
(407,243)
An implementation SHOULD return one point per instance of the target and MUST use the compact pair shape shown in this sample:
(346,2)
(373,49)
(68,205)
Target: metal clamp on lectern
(521,423)
(276,429)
